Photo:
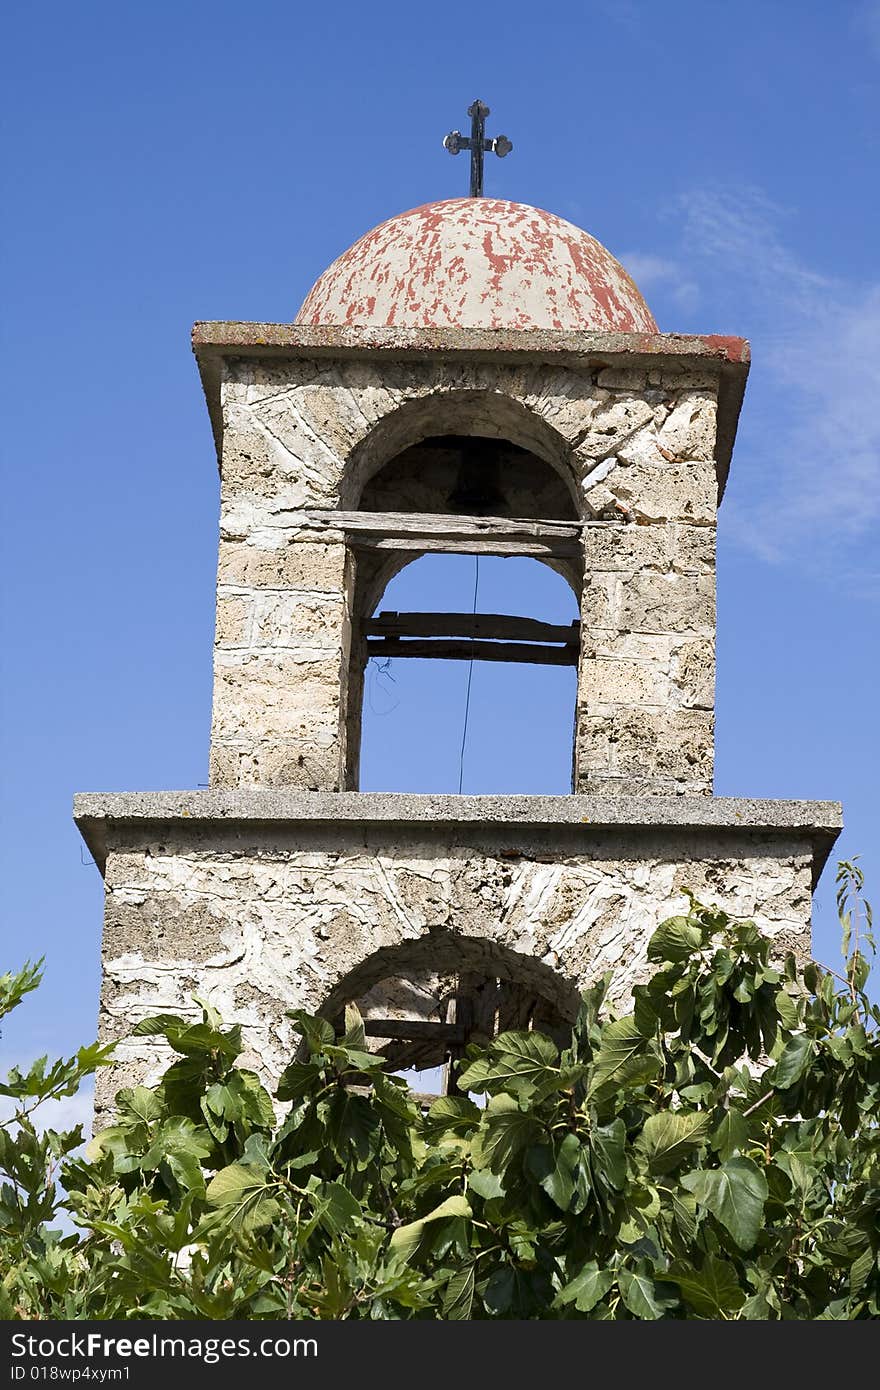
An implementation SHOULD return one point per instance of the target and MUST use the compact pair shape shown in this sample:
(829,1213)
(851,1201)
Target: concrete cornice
(105,817)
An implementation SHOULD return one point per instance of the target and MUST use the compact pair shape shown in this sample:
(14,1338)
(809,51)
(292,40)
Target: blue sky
(184,161)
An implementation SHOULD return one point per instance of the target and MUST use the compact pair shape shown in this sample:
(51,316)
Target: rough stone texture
(665,358)
(478,263)
(631,457)
(262,902)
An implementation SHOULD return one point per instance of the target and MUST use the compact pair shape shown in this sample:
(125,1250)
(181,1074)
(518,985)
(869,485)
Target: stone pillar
(646,684)
(283,624)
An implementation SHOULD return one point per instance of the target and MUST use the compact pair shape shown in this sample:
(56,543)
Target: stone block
(678,744)
(607,681)
(613,423)
(644,448)
(689,430)
(652,649)
(611,546)
(271,696)
(693,674)
(669,602)
(677,492)
(692,549)
(303,564)
(305,764)
(296,619)
(687,378)
(600,601)
(234,617)
(622,379)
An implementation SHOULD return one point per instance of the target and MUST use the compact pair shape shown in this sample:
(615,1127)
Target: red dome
(478,263)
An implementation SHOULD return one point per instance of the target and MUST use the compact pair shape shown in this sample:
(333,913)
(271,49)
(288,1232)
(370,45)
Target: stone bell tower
(472,376)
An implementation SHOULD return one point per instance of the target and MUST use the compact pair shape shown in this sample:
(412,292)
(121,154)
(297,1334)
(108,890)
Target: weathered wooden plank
(437,523)
(461,649)
(536,549)
(413,1030)
(498,626)
(428,531)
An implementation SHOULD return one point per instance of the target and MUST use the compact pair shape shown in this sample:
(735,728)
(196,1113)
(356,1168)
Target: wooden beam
(498,626)
(413,1030)
(460,649)
(427,531)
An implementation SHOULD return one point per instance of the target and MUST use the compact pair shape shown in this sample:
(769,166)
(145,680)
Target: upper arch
(484,413)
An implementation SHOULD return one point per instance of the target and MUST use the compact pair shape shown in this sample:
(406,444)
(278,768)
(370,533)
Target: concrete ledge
(97,814)
(230,339)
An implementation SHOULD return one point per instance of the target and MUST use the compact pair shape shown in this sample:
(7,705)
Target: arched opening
(424,1001)
(472,724)
(469,475)
(487,416)
(464,649)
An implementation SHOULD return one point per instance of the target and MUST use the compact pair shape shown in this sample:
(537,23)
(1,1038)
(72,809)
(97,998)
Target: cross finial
(477,144)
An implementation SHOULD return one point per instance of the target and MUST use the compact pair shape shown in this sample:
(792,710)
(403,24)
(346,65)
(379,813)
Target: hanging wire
(467,698)
(376,669)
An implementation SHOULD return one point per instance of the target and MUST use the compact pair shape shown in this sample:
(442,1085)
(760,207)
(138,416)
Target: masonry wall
(638,447)
(260,919)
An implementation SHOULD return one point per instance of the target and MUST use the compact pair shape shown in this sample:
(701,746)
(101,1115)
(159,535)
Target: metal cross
(477,144)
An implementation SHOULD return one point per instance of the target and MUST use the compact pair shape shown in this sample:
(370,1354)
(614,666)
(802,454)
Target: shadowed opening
(461,634)
(424,1001)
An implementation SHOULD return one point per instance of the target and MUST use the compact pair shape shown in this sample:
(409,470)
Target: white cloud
(58,1114)
(814,443)
(650,271)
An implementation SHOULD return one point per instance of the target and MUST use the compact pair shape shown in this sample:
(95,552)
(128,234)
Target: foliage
(713,1154)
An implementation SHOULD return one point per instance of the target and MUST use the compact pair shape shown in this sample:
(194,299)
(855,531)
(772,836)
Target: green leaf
(318,1033)
(505,1132)
(730,1135)
(221,1100)
(787,1009)
(518,1061)
(586,1289)
(555,1167)
(793,1061)
(624,1059)
(486,1185)
(675,940)
(459,1297)
(245,1195)
(608,1153)
(641,1295)
(451,1115)
(666,1139)
(255,1099)
(684,1210)
(141,1103)
(14,986)
(405,1239)
(209,1014)
(297,1080)
(735,1194)
(860,1270)
(337,1209)
(713,1291)
(353,1127)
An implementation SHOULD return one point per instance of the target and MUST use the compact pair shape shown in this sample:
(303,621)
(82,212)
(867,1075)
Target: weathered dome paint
(478,263)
